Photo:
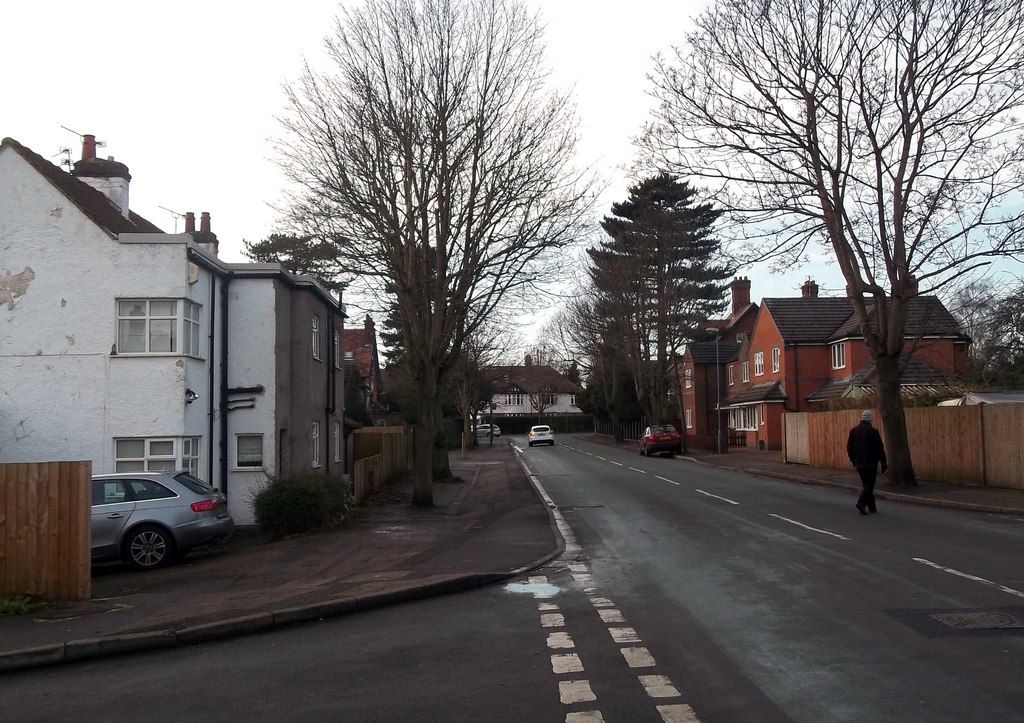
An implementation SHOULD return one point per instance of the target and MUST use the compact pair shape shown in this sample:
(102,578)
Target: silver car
(148,518)
(541,434)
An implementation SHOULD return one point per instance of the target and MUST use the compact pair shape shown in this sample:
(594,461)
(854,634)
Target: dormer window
(839,355)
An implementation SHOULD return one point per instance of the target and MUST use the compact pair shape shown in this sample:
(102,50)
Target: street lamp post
(718,391)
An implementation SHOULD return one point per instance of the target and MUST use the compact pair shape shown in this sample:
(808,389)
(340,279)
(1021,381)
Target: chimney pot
(204,222)
(809,290)
(740,288)
(190,222)
(88,147)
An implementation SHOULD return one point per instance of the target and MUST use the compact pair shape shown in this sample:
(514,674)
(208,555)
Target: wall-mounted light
(190,396)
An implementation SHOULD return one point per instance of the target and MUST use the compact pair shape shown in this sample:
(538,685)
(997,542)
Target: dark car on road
(148,518)
(660,439)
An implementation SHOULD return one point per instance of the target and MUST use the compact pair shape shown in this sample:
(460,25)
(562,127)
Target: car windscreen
(664,429)
(542,430)
(194,483)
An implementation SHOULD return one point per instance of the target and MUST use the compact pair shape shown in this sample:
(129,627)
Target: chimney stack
(204,222)
(107,176)
(740,294)
(204,237)
(809,290)
(190,222)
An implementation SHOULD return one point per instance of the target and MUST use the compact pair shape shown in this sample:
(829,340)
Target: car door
(112,507)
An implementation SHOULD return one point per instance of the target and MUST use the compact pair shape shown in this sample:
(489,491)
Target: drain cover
(980,620)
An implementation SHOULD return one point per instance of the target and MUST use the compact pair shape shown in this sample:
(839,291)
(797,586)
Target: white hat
(867,416)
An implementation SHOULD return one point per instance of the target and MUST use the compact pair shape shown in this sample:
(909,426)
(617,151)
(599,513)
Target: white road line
(638,657)
(666,479)
(600,458)
(807,527)
(578,567)
(547,607)
(617,463)
(585,716)
(601,602)
(566,663)
(582,577)
(611,616)
(552,620)
(678,714)
(575,691)
(538,580)
(624,635)
(724,499)
(658,686)
(560,641)
(967,576)
(641,471)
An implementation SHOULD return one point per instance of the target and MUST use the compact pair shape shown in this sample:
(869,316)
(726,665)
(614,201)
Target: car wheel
(148,547)
(647,452)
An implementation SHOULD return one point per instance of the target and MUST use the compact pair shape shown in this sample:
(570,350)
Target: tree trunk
(894,421)
(440,467)
(423,447)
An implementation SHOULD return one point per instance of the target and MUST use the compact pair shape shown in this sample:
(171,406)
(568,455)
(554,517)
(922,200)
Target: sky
(187,95)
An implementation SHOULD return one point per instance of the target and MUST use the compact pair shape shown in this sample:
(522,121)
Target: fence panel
(1003,432)
(796,437)
(946,443)
(44,530)
(380,453)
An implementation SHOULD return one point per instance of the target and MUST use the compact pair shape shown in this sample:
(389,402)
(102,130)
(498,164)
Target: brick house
(360,350)
(807,353)
(142,350)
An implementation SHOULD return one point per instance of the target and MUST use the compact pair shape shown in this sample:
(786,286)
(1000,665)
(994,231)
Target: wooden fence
(45,510)
(379,453)
(976,445)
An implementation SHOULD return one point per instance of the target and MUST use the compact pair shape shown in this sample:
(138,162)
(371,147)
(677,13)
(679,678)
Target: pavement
(489,526)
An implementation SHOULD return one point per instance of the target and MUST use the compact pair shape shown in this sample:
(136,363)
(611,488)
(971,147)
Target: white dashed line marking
(552,620)
(666,479)
(724,499)
(616,463)
(638,658)
(678,714)
(808,527)
(560,641)
(597,456)
(658,686)
(581,577)
(538,580)
(543,607)
(575,691)
(578,567)
(611,616)
(601,602)
(585,716)
(566,663)
(641,471)
(968,576)
(624,635)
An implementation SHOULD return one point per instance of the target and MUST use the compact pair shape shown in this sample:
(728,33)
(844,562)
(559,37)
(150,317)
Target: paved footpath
(489,526)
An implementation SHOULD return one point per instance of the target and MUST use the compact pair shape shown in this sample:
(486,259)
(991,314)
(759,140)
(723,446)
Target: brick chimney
(107,176)
(204,237)
(809,290)
(740,294)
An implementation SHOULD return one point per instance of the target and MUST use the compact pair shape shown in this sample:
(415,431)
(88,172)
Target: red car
(661,438)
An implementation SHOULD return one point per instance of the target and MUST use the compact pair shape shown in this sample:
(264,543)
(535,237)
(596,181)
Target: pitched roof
(808,320)
(704,352)
(531,379)
(926,316)
(918,376)
(760,392)
(91,202)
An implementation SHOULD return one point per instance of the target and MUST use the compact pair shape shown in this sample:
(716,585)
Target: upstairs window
(688,378)
(839,355)
(190,331)
(731,374)
(147,326)
(776,359)
(337,349)
(315,443)
(759,364)
(746,371)
(316,337)
(514,399)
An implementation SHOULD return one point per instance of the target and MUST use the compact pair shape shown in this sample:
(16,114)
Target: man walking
(865,449)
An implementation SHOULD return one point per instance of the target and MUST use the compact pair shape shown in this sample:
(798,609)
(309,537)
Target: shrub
(293,505)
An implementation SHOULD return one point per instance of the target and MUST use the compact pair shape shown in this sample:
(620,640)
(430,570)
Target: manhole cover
(980,620)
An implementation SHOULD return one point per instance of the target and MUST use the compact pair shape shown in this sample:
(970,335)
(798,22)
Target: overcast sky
(186,95)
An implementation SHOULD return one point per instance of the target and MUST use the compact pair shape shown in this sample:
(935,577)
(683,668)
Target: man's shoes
(872,510)
(860,509)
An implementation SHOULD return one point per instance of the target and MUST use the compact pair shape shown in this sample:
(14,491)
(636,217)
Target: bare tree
(436,160)
(470,383)
(889,131)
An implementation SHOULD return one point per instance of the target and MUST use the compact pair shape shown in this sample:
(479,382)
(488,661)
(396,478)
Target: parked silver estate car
(148,518)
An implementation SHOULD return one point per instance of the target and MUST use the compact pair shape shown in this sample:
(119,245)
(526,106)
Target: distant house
(531,389)
(142,350)
(808,353)
(360,350)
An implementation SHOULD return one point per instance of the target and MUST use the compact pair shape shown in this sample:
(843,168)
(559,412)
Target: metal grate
(979,620)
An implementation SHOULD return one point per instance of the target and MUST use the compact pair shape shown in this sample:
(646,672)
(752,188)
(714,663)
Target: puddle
(535,589)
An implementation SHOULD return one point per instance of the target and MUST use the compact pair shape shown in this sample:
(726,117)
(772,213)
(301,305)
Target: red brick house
(805,353)
(360,350)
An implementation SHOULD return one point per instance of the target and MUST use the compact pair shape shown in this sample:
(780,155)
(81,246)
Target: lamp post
(718,390)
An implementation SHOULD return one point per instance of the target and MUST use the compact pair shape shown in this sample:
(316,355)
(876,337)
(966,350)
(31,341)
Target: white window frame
(337,441)
(572,400)
(314,439)
(158,454)
(745,371)
(316,337)
(688,377)
(762,408)
(689,418)
(191,324)
(776,359)
(731,374)
(743,419)
(148,318)
(337,349)
(759,364)
(839,355)
(514,399)
(250,462)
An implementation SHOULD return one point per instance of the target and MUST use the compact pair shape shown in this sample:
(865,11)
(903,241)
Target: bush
(293,505)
